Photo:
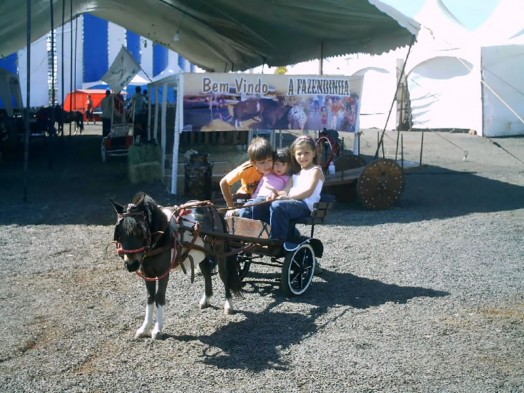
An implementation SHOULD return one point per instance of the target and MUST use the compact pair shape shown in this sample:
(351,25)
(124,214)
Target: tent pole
(71,62)
(28,102)
(62,77)
(381,142)
(163,127)
(53,130)
(321,64)
(157,104)
(179,121)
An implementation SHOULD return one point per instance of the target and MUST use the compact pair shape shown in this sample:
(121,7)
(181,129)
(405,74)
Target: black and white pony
(153,240)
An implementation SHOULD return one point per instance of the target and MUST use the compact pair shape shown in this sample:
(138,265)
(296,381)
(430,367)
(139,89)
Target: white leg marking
(157,330)
(204,301)
(228,306)
(148,322)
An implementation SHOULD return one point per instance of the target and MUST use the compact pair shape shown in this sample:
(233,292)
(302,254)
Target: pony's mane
(153,211)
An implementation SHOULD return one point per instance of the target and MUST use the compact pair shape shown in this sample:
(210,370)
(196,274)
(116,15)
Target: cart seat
(319,212)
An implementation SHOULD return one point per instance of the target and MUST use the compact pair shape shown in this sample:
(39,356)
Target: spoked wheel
(298,270)
(380,184)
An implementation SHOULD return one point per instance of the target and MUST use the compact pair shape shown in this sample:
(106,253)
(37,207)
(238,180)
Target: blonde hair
(304,140)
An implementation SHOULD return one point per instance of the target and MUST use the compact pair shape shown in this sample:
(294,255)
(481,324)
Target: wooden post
(421,147)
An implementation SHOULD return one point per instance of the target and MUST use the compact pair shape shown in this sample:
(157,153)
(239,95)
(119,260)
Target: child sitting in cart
(275,180)
(302,191)
(249,174)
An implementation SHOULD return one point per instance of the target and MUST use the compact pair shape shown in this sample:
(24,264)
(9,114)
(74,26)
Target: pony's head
(136,229)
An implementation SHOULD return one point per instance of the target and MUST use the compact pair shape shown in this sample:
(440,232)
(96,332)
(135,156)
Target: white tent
(137,80)
(468,79)
(457,78)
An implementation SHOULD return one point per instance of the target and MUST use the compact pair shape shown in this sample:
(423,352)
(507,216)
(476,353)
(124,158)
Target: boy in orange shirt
(260,153)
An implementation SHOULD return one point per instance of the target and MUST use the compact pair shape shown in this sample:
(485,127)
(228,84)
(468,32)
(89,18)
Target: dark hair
(304,140)
(138,89)
(259,149)
(283,155)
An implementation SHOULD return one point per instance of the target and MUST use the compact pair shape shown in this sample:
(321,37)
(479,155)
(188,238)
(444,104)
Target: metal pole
(321,65)
(380,144)
(71,64)
(52,130)
(28,103)
(62,103)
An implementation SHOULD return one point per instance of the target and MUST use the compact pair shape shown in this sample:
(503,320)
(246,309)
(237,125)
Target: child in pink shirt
(272,182)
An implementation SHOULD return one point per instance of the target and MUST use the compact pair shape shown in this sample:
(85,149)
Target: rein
(225,209)
(180,249)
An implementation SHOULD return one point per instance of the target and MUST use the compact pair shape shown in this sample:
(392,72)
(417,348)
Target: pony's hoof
(229,311)
(204,302)
(156,335)
(141,333)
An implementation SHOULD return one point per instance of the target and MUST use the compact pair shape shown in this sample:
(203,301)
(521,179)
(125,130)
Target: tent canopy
(226,35)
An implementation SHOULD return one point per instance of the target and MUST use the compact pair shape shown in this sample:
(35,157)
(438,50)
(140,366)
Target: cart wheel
(298,269)
(103,152)
(380,184)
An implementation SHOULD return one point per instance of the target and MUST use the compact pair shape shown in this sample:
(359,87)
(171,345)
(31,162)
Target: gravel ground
(425,297)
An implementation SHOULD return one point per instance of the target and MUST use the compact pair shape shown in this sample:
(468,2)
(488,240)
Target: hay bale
(145,172)
(144,153)
(144,163)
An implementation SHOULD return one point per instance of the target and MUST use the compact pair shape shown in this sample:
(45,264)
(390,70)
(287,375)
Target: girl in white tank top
(302,191)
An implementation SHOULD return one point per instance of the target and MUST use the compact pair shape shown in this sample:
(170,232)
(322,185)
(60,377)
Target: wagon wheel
(298,269)
(349,161)
(380,184)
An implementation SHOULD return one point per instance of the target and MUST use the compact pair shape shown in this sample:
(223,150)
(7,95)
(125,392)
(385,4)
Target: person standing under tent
(118,105)
(89,109)
(107,113)
(139,108)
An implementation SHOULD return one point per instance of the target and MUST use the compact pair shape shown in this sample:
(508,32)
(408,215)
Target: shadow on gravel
(257,343)
(74,187)
(434,192)
(67,183)
(345,289)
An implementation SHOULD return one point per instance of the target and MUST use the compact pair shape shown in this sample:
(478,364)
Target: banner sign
(122,71)
(228,102)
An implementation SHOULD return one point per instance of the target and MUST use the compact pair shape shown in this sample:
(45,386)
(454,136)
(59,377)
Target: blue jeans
(261,212)
(281,213)
(246,211)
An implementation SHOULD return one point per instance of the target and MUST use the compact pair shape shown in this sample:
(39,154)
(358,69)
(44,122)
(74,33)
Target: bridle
(140,217)
(180,248)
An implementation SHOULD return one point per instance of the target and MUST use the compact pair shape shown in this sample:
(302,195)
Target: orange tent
(78,98)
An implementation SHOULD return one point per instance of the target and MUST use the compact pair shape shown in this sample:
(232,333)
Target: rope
(506,150)
(452,143)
